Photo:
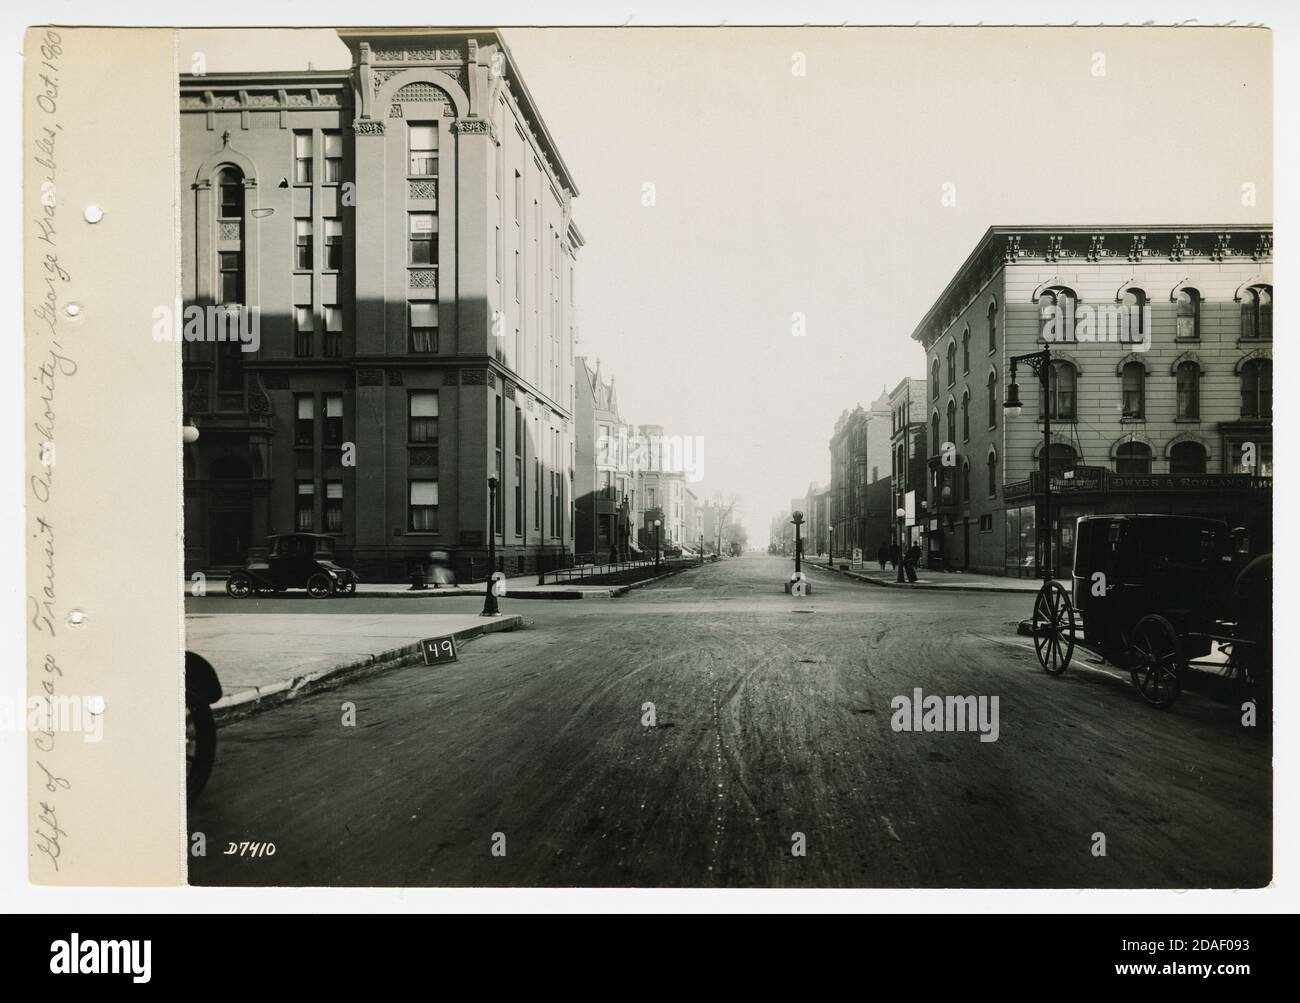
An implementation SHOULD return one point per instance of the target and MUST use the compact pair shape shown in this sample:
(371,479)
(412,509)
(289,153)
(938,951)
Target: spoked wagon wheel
(1054,627)
(347,585)
(320,586)
(1156,660)
(239,585)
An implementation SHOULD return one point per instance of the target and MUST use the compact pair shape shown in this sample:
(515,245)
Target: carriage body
(1127,567)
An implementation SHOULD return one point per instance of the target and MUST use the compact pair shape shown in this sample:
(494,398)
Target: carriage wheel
(1156,660)
(1054,627)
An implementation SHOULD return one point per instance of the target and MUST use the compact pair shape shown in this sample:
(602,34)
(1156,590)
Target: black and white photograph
(717,459)
(628,457)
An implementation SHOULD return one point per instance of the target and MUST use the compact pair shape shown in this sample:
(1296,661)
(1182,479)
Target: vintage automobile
(294,561)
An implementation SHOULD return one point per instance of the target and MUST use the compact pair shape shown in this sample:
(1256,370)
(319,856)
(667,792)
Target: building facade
(860,457)
(1160,386)
(605,481)
(908,412)
(403,233)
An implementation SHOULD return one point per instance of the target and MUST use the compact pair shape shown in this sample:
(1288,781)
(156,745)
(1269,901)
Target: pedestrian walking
(613,554)
(894,555)
(882,555)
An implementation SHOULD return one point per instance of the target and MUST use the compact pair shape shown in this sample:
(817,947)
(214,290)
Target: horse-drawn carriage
(1152,593)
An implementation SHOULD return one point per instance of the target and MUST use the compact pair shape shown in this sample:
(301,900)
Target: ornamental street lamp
(1041,364)
(658,523)
(797,519)
(489,586)
(901,514)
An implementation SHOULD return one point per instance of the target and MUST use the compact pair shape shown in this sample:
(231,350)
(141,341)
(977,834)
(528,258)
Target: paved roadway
(773,719)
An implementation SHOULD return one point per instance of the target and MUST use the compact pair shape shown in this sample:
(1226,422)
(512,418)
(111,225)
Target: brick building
(403,231)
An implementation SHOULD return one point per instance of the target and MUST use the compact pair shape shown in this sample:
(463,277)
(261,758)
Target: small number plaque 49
(438,649)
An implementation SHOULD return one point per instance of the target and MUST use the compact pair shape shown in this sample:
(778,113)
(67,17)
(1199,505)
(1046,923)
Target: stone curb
(251,701)
(926,586)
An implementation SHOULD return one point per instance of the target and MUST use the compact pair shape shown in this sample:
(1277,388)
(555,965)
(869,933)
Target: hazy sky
(820,194)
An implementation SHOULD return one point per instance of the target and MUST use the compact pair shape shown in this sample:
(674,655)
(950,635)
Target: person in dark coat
(882,555)
(913,559)
(894,555)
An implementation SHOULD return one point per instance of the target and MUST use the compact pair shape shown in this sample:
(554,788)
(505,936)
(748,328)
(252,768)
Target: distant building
(907,407)
(604,479)
(860,456)
(1160,395)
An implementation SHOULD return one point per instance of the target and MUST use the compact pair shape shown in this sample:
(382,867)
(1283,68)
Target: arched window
(1056,306)
(1257,312)
(993,326)
(965,350)
(1135,301)
(952,363)
(1187,457)
(952,420)
(230,244)
(1188,378)
(993,400)
(965,482)
(1061,383)
(1133,458)
(993,473)
(934,434)
(934,379)
(1257,388)
(1188,309)
(1134,389)
(965,416)
(230,194)
(1061,457)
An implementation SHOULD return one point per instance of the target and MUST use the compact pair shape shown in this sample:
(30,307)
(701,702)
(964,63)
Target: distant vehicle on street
(294,561)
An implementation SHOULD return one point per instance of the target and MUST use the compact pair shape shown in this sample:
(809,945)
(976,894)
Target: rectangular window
(423,326)
(519,281)
(231,279)
(519,472)
(304,429)
(230,197)
(304,512)
(423,507)
(333,332)
(423,406)
(423,239)
(537,474)
(302,259)
(496,253)
(500,462)
(519,196)
(334,244)
(423,141)
(333,419)
(334,506)
(302,157)
(302,336)
(333,157)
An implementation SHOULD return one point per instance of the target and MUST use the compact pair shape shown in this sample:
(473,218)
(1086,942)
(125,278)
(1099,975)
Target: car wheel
(348,585)
(239,586)
(320,586)
(200,744)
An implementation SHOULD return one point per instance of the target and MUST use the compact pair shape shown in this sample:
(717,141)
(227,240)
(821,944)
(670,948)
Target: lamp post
(701,550)
(489,591)
(900,513)
(1041,364)
(797,519)
(658,523)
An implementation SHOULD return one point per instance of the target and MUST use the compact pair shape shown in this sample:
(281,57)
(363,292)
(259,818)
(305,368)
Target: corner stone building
(404,232)
(1184,426)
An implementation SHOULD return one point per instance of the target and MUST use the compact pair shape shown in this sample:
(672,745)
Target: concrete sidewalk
(263,655)
(958,581)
